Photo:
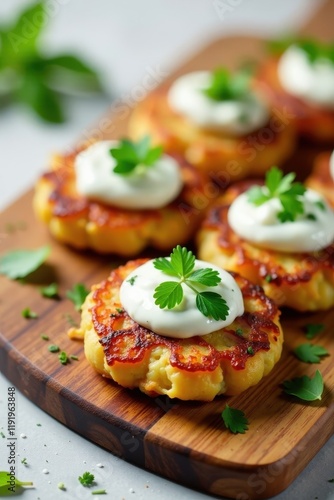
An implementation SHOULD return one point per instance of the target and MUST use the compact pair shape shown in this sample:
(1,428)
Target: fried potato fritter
(320,178)
(227,361)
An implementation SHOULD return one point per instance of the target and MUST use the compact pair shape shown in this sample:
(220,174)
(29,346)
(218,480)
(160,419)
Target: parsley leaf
(312,329)
(129,155)
(50,291)
(228,86)
(306,388)
(284,189)
(20,263)
(29,314)
(310,353)
(77,295)
(313,49)
(181,265)
(235,420)
(63,358)
(86,479)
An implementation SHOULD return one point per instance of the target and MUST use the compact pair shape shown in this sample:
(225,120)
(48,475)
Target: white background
(122,38)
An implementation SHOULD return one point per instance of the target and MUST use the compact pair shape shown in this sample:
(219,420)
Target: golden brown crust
(320,178)
(84,223)
(233,157)
(303,281)
(313,122)
(199,368)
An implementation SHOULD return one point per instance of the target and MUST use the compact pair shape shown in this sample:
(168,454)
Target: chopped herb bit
(63,358)
(29,314)
(306,388)
(311,217)
(234,420)
(132,280)
(77,295)
(99,492)
(2,434)
(24,461)
(86,479)
(331,480)
(45,337)
(61,486)
(227,86)
(181,265)
(312,329)
(320,204)
(310,353)
(50,291)
(75,358)
(53,348)
(119,310)
(282,188)
(39,425)
(250,350)
(70,320)
(20,263)
(130,154)
(268,278)
(239,332)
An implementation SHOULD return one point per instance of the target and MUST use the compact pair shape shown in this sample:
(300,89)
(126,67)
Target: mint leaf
(306,388)
(20,263)
(235,420)
(310,353)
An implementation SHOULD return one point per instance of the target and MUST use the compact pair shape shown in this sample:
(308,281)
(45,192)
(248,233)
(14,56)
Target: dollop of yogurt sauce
(310,81)
(144,188)
(239,117)
(185,320)
(260,224)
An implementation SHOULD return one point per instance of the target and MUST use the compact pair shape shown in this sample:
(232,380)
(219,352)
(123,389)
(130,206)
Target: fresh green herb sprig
(20,263)
(77,295)
(50,291)
(284,189)
(310,353)
(228,86)
(305,388)
(87,479)
(313,49)
(31,77)
(28,313)
(181,265)
(130,154)
(234,420)
(313,329)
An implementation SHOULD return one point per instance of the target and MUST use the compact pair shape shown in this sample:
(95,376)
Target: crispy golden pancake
(312,121)
(302,281)
(213,152)
(320,179)
(227,361)
(84,223)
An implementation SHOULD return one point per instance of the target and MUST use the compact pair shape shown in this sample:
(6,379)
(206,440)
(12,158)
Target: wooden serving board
(183,441)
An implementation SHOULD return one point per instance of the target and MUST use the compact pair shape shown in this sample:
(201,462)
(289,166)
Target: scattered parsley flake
(239,332)
(99,492)
(2,434)
(86,479)
(63,358)
(250,350)
(320,204)
(53,348)
(29,314)
(305,388)
(310,353)
(181,265)
(284,189)
(50,291)
(70,320)
(331,480)
(312,329)
(75,358)
(24,461)
(130,154)
(234,420)
(45,337)
(268,278)
(119,310)
(77,295)
(21,263)
(39,425)
(132,280)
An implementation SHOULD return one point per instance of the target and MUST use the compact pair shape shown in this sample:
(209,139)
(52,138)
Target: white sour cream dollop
(185,320)
(310,81)
(331,165)
(240,117)
(261,226)
(144,188)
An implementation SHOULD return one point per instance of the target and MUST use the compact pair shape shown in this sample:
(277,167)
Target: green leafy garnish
(99,492)
(5,487)
(75,358)
(50,291)
(181,265)
(228,86)
(313,49)
(28,313)
(20,263)
(45,337)
(284,189)
(306,388)
(24,461)
(235,420)
(129,155)
(77,295)
(53,348)
(132,280)
(31,77)
(63,358)
(310,353)
(86,479)
(312,330)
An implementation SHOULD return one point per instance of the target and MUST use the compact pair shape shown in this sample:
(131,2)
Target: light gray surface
(126,39)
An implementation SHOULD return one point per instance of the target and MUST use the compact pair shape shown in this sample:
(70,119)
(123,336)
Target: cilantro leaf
(86,479)
(77,295)
(288,192)
(20,263)
(312,329)
(225,85)
(129,155)
(181,265)
(50,291)
(306,388)
(310,353)
(235,420)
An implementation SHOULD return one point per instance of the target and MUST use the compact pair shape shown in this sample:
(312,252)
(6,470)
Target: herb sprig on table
(181,265)
(31,77)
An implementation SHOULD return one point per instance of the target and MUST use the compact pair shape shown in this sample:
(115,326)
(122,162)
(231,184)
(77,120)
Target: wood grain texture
(183,441)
